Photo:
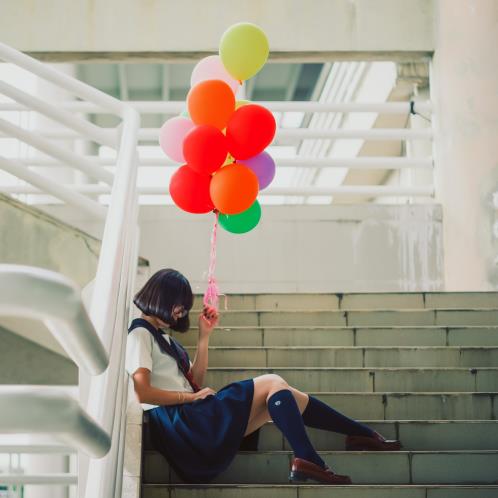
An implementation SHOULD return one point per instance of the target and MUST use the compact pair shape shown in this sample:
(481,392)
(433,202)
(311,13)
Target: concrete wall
(25,362)
(335,248)
(33,238)
(188,28)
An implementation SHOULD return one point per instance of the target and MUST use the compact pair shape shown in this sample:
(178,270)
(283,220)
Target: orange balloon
(211,102)
(234,188)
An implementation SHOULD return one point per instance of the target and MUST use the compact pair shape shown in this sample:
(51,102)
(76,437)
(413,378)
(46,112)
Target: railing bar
(62,154)
(110,385)
(297,191)
(72,85)
(115,223)
(44,184)
(96,133)
(45,295)
(62,479)
(176,107)
(43,409)
(152,134)
(374,162)
(37,448)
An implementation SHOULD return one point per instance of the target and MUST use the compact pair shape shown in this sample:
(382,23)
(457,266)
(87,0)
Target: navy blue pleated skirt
(200,439)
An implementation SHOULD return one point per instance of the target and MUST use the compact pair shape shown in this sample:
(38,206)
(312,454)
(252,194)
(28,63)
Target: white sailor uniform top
(142,351)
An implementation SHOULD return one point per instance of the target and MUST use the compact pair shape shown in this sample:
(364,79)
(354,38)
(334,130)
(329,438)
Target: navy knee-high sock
(319,415)
(285,413)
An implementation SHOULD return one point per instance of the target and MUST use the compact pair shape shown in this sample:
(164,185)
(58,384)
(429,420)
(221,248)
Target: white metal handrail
(373,190)
(51,410)
(72,85)
(48,296)
(109,309)
(283,136)
(377,162)
(97,134)
(61,479)
(37,448)
(43,145)
(152,134)
(175,107)
(41,183)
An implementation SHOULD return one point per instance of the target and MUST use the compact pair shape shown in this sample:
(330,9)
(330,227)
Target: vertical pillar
(464,90)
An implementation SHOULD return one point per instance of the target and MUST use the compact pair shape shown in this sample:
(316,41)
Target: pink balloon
(211,68)
(171,137)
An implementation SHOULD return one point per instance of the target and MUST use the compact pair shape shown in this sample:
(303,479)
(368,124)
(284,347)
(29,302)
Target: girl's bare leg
(264,387)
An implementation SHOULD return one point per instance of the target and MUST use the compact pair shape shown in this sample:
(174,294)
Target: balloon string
(211,297)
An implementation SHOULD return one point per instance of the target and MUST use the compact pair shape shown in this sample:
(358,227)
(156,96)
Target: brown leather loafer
(375,443)
(302,470)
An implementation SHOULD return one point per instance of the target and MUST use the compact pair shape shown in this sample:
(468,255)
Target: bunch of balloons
(220,140)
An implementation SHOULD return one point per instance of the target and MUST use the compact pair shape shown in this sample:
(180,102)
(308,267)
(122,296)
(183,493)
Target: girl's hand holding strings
(208,319)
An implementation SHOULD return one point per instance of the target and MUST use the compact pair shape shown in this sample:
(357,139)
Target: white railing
(95,342)
(374,190)
(176,107)
(283,135)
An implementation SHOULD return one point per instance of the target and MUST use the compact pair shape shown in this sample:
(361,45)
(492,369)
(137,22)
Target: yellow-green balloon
(242,222)
(240,103)
(244,49)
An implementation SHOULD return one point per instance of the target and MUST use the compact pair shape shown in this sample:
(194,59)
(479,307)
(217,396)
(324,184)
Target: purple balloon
(264,167)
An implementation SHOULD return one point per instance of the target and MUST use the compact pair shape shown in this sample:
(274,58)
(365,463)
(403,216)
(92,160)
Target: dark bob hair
(164,290)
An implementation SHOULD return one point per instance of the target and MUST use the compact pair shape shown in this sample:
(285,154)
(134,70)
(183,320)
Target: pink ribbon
(211,297)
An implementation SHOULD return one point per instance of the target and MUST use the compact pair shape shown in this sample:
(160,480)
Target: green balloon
(244,49)
(242,222)
(185,114)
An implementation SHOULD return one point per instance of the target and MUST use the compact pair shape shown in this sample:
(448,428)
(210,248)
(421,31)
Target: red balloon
(190,190)
(249,131)
(205,149)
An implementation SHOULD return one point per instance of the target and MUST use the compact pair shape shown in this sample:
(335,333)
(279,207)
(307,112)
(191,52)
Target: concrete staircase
(421,367)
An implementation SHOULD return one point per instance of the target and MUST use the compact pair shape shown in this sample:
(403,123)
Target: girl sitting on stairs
(199,430)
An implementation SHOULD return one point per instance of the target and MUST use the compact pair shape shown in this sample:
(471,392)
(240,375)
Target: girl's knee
(276,379)
(281,380)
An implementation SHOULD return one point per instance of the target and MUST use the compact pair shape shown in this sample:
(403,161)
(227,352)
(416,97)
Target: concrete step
(426,317)
(413,405)
(351,301)
(482,379)
(325,356)
(316,491)
(345,336)
(416,435)
(402,467)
